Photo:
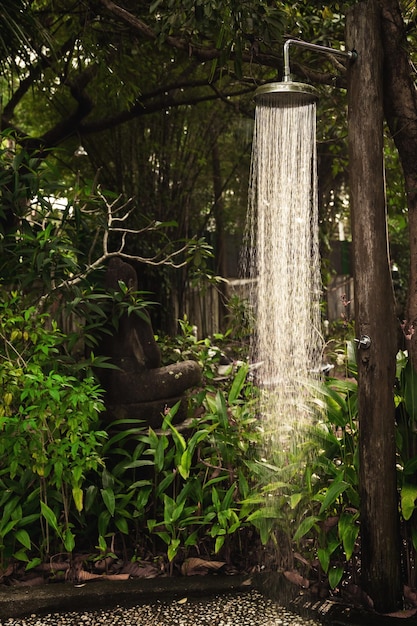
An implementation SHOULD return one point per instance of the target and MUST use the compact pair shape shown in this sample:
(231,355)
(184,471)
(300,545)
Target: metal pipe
(351,54)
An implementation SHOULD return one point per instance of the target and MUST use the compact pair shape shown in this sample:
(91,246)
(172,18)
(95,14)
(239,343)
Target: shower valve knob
(363,342)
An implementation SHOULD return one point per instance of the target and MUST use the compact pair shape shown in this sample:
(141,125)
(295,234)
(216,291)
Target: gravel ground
(248,609)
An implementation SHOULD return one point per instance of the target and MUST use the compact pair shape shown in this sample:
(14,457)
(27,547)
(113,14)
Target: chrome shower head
(289,93)
(286,93)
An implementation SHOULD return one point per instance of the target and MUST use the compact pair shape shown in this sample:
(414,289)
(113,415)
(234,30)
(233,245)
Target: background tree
(130,83)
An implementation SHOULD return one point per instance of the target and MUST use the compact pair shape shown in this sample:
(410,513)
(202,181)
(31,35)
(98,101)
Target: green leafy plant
(175,490)
(47,434)
(311,502)
(406,440)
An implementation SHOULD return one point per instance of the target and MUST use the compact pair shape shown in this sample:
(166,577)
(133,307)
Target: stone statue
(140,387)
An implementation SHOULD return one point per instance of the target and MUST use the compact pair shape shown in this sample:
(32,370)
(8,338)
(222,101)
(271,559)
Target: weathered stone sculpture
(140,388)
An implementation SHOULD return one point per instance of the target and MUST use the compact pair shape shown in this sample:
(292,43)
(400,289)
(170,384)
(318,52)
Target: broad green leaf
(33,563)
(408,499)
(324,558)
(305,526)
(160,452)
(180,444)
(8,509)
(109,500)
(78,495)
(69,540)
(238,382)
(107,479)
(21,555)
(332,493)
(90,496)
(122,525)
(335,576)
(138,463)
(103,522)
(164,484)
(185,465)
(228,498)
(173,548)
(264,512)
(23,537)
(219,543)
(265,528)
(348,533)
(221,409)
(165,537)
(210,401)
(8,528)
(192,539)
(176,513)
(215,498)
(197,438)
(142,499)
(139,484)
(50,516)
(295,499)
(214,481)
(243,485)
(276,486)
(102,544)
(173,410)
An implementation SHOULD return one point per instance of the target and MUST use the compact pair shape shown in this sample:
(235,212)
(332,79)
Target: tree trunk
(374,313)
(400,104)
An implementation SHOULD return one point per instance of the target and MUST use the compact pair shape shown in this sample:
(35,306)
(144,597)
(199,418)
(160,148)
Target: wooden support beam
(374,313)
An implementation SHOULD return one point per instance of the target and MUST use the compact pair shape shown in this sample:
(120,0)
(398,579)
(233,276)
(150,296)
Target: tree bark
(400,104)
(374,313)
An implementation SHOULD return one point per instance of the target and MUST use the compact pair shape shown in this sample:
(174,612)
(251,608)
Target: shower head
(289,93)
(286,93)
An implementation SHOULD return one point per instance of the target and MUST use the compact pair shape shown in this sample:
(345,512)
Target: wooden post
(374,313)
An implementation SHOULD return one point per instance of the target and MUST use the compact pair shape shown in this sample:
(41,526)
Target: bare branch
(163,257)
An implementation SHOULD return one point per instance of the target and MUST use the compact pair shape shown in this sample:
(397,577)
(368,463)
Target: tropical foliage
(126,130)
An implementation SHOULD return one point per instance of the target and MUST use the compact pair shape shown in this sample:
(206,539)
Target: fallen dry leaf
(7,572)
(141,570)
(195,566)
(297,579)
(83,576)
(300,558)
(115,577)
(30,582)
(53,566)
(104,564)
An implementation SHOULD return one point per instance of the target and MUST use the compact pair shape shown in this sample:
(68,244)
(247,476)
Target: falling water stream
(283,262)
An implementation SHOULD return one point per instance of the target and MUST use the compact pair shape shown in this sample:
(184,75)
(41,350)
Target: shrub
(49,409)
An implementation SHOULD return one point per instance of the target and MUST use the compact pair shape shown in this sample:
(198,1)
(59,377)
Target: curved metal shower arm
(351,54)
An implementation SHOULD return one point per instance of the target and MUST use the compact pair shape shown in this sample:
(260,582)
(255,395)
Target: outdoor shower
(286,89)
(283,258)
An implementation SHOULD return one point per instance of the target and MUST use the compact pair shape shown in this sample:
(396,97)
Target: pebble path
(248,609)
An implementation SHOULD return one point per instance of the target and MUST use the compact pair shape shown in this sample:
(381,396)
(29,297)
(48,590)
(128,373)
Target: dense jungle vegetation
(126,132)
